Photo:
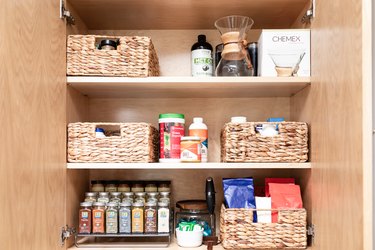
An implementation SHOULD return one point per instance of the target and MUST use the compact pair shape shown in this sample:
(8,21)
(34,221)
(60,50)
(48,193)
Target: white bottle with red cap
(198,128)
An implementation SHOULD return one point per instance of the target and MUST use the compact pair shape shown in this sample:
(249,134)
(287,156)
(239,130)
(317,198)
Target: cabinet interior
(172,38)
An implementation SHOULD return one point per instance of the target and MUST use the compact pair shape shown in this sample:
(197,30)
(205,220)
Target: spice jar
(151,187)
(163,217)
(152,197)
(125,217)
(98,213)
(141,196)
(137,217)
(97,186)
(90,197)
(115,197)
(103,197)
(111,186)
(123,187)
(137,187)
(85,218)
(150,217)
(164,197)
(128,196)
(164,187)
(111,218)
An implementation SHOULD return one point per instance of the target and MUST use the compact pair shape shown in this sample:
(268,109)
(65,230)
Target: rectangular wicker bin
(237,230)
(241,143)
(135,57)
(137,142)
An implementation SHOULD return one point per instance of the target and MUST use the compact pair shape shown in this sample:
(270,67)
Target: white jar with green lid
(171,128)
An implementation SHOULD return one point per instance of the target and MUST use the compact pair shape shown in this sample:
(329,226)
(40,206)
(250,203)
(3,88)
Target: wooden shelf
(210,165)
(180,87)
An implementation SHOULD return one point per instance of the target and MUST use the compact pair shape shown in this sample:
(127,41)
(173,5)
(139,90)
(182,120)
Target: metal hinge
(310,13)
(65,14)
(66,232)
(311,231)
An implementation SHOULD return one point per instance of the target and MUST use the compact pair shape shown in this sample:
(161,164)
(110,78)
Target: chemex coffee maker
(201,211)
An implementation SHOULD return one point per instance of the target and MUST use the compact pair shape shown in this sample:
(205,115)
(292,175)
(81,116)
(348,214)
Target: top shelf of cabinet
(191,87)
(184,14)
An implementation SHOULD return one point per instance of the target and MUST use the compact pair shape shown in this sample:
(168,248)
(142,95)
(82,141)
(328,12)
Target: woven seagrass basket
(241,143)
(135,57)
(237,230)
(135,142)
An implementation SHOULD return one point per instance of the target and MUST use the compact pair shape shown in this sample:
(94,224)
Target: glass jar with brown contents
(150,217)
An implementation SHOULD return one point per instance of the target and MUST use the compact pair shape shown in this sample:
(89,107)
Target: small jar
(85,218)
(150,217)
(164,197)
(98,217)
(140,197)
(137,217)
(97,186)
(137,188)
(103,197)
(151,187)
(164,187)
(111,186)
(128,196)
(191,150)
(163,217)
(125,217)
(115,197)
(152,197)
(123,187)
(111,219)
(91,197)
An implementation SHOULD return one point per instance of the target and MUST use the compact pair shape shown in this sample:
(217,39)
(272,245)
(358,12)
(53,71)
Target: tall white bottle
(198,128)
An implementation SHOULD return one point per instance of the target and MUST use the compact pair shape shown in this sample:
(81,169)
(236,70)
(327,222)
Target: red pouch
(284,196)
(276,180)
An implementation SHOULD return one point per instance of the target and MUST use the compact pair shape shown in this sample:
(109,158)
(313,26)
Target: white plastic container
(189,238)
(198,128)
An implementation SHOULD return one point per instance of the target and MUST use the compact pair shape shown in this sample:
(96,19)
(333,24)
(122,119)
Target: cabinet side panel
(333,107)
(32,114)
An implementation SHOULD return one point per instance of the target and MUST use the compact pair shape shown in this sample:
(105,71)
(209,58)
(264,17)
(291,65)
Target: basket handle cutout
(109,130)
(98,40)
(271,127)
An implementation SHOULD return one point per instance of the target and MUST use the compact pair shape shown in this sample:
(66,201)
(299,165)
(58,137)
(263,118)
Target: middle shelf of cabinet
(196,166)
(188,87)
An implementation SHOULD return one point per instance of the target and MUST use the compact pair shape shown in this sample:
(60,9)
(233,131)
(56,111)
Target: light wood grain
(197,166)
(333,106)
(187,14)
(32,108)
(215,112)
(182,87)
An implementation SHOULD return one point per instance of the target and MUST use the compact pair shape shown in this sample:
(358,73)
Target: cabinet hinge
(65,14)
(311,231)
(310,13)
(66,232)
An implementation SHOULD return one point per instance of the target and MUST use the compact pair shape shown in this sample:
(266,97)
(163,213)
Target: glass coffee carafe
(235,59)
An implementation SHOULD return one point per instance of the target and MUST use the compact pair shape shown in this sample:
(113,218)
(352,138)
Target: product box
(279,52)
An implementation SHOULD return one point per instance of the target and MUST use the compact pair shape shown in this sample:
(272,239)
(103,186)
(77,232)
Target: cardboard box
(284,47)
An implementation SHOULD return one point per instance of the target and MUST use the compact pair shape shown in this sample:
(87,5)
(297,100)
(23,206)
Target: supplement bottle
(201,58)
(171,128)
(198,128)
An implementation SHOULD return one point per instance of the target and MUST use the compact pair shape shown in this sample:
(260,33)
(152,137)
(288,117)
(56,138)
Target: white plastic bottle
(198,128)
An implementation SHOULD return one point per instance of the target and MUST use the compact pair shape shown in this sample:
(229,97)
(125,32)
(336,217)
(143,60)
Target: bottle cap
(238,119)
(201,38)
(198,120)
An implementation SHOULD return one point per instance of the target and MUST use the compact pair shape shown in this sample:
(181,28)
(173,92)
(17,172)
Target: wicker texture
(241,143)
(138,142)
(237,230)
(135,57)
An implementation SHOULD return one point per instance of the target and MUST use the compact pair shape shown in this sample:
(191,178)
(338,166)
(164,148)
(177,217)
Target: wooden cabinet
(41,192)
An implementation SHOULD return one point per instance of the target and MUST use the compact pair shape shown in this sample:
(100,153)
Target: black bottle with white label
(201,58)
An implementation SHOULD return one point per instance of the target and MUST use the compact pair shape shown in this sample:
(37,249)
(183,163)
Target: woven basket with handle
(135,142)
(238,231)
(241,143)
(135,57)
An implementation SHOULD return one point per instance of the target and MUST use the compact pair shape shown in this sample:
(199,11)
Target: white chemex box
(284,52)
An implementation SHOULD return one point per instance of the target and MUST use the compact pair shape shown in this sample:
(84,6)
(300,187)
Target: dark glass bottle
(201,58)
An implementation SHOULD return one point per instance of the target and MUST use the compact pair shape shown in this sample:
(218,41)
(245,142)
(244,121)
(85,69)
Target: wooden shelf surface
(210,165)
(192,87)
